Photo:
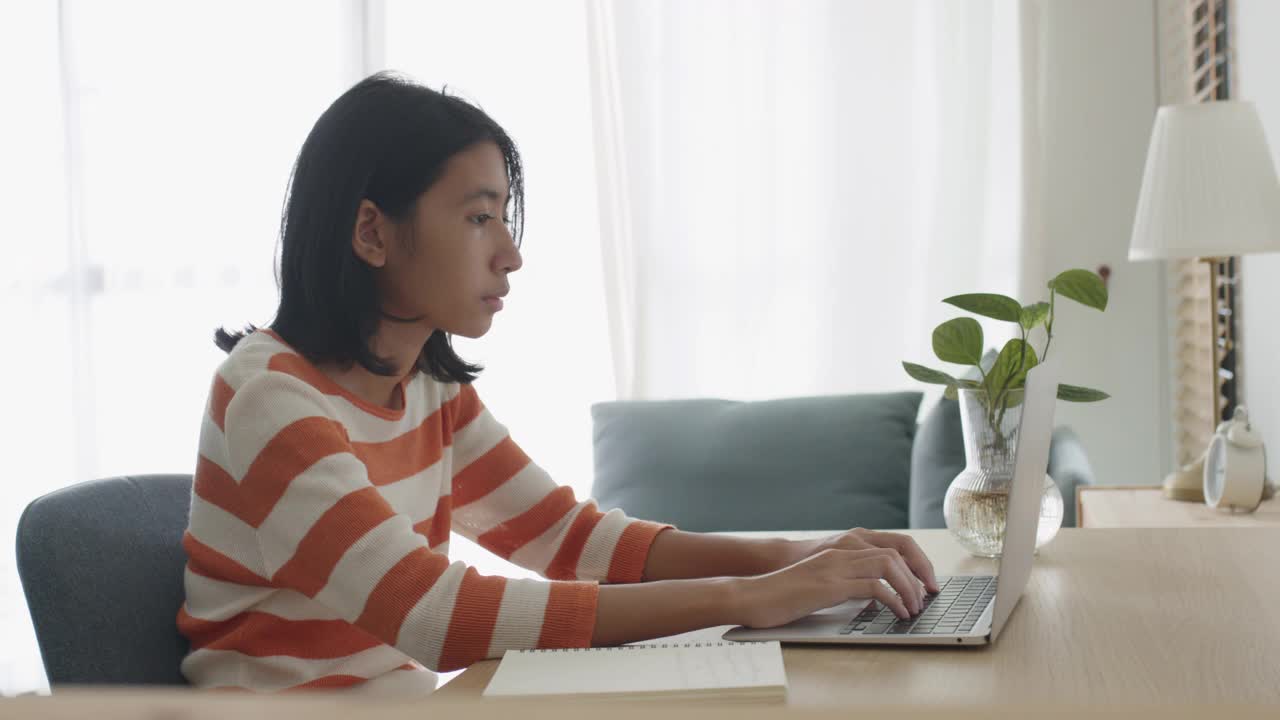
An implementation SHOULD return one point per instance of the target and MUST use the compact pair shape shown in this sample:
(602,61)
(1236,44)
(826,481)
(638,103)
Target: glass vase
(977,500)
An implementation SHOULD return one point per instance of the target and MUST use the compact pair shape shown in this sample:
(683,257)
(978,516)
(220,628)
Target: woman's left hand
(909,553)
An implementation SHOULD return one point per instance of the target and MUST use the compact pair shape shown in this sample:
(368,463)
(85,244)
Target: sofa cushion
(1070,469)
(830,462)
(937,457)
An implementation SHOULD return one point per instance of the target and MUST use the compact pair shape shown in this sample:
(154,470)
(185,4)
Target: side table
(1102,506)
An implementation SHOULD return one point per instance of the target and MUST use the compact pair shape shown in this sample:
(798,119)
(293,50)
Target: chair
(102,566)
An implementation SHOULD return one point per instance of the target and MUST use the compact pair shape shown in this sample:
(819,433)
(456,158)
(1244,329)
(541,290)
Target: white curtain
(789,187)
(145,153)
(145,147)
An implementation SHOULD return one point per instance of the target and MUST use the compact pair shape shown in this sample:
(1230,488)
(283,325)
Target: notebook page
(639,669)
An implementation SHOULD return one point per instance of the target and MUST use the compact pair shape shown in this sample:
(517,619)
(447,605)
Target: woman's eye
(483,218)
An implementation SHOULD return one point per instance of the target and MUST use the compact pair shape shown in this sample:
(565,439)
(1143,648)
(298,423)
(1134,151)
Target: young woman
(343,444)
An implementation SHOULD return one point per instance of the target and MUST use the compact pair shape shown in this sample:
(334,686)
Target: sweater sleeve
(324,530)
(510,506)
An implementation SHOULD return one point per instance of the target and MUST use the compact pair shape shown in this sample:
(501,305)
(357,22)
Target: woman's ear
(370,236)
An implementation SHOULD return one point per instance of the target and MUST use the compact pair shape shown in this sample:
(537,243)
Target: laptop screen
(1023,514)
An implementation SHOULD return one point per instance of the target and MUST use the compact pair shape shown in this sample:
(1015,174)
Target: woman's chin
(474,330)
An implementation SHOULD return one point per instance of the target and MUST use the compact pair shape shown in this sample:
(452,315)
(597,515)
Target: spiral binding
(640,647)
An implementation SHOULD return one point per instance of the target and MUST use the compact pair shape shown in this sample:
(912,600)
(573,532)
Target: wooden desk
(1131,616)
(195,705)
(1102,506)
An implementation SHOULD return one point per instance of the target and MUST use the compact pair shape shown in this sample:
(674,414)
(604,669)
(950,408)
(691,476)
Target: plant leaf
(989,305)
(928,375)
(1083,286)
(958,341)
(1010,370)
(1073,393)
(951,393)
(1034,315)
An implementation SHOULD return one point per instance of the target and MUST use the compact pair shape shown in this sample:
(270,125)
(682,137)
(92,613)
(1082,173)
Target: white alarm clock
(1235,467)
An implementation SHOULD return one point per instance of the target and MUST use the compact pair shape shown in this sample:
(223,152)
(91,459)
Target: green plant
(960,341)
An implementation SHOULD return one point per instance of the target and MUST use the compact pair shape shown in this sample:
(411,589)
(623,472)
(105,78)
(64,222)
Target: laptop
(969,609)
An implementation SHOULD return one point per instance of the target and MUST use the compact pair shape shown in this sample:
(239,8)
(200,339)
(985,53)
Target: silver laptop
(968,610)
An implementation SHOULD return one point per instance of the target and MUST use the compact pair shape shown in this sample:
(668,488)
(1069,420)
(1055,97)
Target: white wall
(1099,91)
(1258,74)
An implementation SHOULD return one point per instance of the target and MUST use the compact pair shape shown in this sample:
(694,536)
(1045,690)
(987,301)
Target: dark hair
(387,140)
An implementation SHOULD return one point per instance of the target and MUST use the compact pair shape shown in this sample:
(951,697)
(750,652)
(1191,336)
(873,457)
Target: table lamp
(1209,191)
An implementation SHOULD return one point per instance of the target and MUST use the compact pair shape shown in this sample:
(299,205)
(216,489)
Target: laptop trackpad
(822,622)
(843,611)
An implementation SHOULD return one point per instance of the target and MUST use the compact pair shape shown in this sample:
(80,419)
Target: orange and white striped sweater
(319,532)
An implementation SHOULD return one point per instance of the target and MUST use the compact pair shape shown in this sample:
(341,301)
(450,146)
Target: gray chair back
(102,568)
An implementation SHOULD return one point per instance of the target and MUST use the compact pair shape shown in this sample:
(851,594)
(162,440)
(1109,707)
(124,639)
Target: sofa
(816,463)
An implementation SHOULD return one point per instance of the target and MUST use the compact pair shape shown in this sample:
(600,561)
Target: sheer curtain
(792,186)
(145,159)
(144,167)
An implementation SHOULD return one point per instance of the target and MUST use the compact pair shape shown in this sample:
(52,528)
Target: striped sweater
(319,532)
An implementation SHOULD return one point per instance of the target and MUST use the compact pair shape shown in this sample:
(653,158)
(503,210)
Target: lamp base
(1186,484)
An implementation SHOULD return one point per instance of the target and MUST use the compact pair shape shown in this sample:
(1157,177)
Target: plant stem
(985,389)
(1002,397)
(1022,364)
(1049,326)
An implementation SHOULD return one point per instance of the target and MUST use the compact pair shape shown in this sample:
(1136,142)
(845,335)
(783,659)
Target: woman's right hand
(827,579)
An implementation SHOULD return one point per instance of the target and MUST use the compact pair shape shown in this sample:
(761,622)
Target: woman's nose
(513,260)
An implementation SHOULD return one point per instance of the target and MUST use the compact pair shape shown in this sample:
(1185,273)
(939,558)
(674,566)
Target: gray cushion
(937,457)
(829,462)
(101,565)
(1070,469)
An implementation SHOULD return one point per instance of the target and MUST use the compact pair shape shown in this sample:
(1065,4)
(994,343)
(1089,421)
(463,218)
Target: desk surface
(1147,616)
(194,705)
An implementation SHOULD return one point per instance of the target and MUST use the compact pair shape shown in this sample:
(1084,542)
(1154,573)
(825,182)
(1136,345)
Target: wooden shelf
(1145,507)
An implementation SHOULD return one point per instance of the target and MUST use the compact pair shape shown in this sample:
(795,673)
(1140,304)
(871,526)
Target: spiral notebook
(722,671)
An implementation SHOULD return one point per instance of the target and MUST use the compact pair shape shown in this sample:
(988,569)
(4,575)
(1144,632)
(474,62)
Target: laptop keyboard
(954,609)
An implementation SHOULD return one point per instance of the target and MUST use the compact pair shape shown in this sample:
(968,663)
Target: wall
(1258,74)
(1099,95)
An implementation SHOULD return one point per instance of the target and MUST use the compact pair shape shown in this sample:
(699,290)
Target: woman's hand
(828,577)
(908,552)
(759,582)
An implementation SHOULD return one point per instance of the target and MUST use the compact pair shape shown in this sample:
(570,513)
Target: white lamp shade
(1209,188)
